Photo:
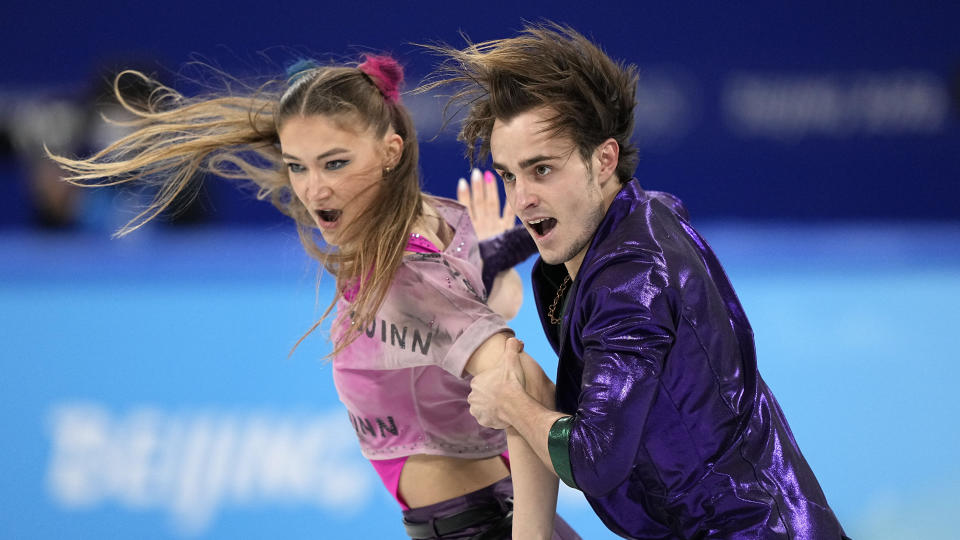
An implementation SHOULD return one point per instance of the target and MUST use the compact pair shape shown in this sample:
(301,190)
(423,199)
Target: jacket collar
(547,277)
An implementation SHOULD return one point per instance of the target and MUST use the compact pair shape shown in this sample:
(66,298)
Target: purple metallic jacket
(673,433)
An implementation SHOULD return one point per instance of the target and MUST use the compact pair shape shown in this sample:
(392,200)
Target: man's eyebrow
(328,153)
(534,160)
(526,163)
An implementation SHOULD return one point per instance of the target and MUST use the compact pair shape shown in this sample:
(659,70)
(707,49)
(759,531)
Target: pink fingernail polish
(488,176)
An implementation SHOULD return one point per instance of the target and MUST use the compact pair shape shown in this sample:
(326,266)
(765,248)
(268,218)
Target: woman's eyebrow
(328,153)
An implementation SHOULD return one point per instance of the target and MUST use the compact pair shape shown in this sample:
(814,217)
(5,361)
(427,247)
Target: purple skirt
(497,495)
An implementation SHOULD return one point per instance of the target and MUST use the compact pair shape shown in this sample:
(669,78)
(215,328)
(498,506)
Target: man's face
(550,188)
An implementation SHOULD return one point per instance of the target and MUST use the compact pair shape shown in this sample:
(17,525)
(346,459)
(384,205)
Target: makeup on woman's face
(334,171)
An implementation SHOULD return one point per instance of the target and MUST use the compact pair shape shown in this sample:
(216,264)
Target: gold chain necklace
(556,299)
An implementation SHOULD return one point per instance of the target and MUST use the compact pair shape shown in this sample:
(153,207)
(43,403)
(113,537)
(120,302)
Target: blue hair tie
(299,69)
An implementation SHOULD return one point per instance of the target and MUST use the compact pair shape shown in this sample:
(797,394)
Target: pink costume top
(402,379)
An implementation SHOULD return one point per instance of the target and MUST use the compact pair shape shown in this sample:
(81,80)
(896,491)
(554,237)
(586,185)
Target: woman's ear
(393,149)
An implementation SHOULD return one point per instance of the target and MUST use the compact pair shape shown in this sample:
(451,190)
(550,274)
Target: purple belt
(484,514)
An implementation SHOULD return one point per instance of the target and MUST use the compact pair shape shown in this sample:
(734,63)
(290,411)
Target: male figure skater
(661,417)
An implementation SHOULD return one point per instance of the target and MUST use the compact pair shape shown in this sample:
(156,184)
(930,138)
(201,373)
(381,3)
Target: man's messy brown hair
(591,97)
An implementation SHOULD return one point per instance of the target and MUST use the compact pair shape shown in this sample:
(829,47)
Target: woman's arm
(534,483)
(502,397)
(506,294)
(502,245)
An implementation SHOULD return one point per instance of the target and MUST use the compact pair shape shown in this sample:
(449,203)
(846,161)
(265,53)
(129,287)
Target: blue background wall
(752,110)
(146,389)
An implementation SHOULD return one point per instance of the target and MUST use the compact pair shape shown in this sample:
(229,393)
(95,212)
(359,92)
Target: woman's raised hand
(482,200)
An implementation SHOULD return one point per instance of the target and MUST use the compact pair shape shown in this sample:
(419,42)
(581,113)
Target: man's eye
(543,170)
(508,178)
(335,164)
(295,167)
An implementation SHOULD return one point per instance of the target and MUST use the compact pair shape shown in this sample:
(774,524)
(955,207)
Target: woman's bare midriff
(427,480)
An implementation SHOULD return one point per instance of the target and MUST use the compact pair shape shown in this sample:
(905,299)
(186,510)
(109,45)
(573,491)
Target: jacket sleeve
(627,329)
(504,251)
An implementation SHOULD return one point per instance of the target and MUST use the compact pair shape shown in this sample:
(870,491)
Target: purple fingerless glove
(504,251)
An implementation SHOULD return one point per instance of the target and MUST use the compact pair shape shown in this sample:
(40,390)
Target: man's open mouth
(542,226)
(329,216)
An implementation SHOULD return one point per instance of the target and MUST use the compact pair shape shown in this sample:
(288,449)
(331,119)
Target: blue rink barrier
(146,389)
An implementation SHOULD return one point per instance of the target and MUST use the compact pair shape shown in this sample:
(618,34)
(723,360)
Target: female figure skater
(335,150)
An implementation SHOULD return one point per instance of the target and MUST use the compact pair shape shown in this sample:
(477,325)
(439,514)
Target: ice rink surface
(147,392)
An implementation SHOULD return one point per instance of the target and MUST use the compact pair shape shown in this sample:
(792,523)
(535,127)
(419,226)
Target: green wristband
(558,444)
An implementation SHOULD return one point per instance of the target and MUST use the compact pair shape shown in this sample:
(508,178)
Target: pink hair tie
(386,73)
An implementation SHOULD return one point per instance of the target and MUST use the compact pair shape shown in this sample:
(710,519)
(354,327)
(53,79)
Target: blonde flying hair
(236,137)
(592,97)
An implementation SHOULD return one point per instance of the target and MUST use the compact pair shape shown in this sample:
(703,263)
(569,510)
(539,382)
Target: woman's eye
(336,164)
(543,170)
(295,167)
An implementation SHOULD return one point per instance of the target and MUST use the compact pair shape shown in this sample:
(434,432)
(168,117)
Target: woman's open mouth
(329,216)
(542,226)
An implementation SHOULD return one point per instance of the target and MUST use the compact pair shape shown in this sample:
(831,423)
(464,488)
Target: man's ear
(606,159)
